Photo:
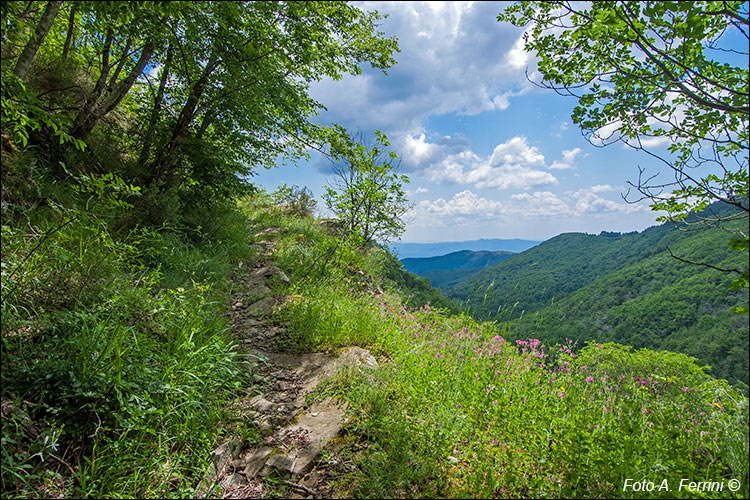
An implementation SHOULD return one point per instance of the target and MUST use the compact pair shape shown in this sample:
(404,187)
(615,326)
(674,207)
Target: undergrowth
(117,361)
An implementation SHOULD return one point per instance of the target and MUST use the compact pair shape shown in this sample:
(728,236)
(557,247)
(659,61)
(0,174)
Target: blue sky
(489,155)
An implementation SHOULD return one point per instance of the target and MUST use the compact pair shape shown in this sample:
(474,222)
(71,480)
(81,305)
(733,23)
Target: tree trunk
(106,97)
(165,162)
(32,46)
(150,130)
(69,41)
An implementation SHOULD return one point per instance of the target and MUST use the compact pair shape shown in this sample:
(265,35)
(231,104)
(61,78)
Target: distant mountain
(447,270)
(407,250)
(623,288)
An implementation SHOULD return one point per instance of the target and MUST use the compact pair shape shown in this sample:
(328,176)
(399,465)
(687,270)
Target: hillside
(420,250)
(447,270)
(623,288)
(555,268)
(170,329)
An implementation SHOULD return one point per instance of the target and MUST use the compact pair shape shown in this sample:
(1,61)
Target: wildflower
(589,379)
(718,405)
(684,389)
(561,395)
(494,403)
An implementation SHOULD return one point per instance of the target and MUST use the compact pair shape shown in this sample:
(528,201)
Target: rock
(280,463)
(357,356)
(321,423)
(220,457)
(270,271)
(331,226)
(255,461)
(261,307)
(235,480)
(269,231)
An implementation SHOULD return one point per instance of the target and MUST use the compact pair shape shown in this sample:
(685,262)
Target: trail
(293,433)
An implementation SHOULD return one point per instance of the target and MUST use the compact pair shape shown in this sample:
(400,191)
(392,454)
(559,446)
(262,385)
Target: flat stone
(256,460)
(280,463)
(322,422)
(220,457)
(235,480)
(261,307)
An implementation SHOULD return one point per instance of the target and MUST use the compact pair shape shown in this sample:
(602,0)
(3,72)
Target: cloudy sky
(489,155)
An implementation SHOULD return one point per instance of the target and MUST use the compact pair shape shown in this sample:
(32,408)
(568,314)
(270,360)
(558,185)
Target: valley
(623,288)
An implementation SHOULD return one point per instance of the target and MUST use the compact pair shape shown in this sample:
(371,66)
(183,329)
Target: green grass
(116,349)
(456,411)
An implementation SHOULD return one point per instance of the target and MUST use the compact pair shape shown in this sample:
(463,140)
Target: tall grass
(117,353)
(456,410)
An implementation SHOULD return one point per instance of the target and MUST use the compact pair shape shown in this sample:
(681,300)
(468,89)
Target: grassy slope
(95,335)
(118,366)
(456,411)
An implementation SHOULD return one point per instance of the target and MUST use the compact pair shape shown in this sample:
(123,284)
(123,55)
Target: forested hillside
(624,288)
(447,270)
(555,268)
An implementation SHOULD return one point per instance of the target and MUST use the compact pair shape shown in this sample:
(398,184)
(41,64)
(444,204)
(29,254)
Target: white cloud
(465,203)
(568,157)
(602,188)
(587,201)
(517,57)
(512,164)
(455,58)
(541,203)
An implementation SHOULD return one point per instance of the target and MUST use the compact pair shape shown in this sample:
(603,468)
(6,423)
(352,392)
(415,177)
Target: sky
(489,154)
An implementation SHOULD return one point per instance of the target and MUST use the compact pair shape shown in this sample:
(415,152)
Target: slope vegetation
(624,288)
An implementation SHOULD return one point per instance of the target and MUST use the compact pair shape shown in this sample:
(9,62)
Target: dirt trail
(294,434)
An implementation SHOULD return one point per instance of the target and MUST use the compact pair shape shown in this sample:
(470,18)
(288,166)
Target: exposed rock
(331,226)
(294,434)
(269,231)
(269,271)
(280,463)
(261,307)
(255,460)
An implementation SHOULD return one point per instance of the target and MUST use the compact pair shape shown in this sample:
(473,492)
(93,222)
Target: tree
(653,73)
(185,99)
(45,23)
(366,193)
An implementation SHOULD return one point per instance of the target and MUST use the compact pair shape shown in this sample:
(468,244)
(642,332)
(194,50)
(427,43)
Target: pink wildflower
(589,379)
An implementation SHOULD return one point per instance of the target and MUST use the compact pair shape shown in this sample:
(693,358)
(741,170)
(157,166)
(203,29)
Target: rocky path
(293,432)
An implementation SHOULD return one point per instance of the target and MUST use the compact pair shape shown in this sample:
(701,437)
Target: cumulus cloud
(568,157)
(541,203)
(468,209)
(455,58)
(512,164)
(465,203)
(587,201)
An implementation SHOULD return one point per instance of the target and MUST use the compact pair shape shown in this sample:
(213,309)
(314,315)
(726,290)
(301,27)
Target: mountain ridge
(425,250)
